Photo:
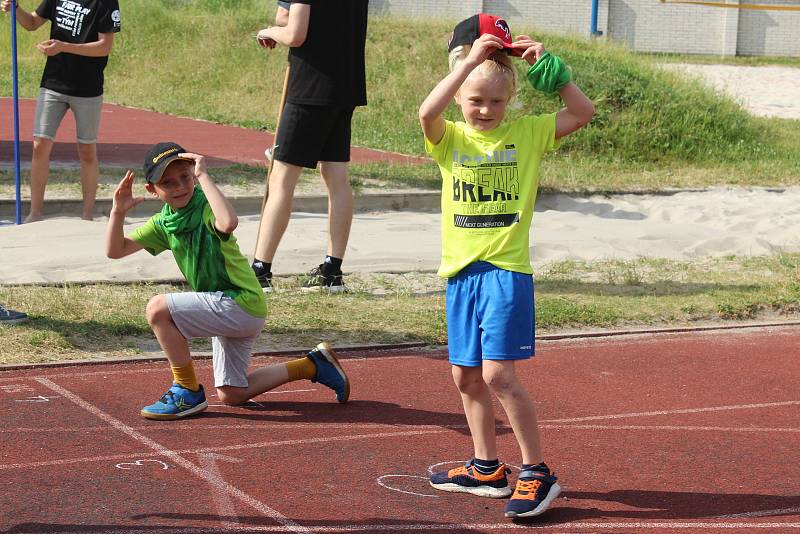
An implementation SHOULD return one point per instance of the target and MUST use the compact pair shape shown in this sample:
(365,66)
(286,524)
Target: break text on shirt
(491,177)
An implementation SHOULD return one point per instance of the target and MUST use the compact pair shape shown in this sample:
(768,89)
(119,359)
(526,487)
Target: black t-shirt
(328,68)
(77,22)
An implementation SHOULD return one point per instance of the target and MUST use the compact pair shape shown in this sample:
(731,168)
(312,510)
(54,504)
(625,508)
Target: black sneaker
(265,280)
(11,316)
(317,278)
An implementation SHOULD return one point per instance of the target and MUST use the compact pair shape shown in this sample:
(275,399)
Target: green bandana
(187,218)
(549,74)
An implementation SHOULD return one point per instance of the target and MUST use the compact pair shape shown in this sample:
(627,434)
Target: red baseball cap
(467,31)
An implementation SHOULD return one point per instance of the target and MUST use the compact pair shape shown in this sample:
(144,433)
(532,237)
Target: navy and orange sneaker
(467,479)
(329,371)
(534,492)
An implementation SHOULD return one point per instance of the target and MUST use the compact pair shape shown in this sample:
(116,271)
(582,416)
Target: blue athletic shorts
(490,315)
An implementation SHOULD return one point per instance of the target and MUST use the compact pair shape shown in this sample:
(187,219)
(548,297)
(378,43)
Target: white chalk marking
(37,398)
(175,457)
(139,463)
(671,412)
(682,428)
(380,481)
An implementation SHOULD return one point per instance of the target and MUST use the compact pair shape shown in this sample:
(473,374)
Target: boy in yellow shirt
(490,172)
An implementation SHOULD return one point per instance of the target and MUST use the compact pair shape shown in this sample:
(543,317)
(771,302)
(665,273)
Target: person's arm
(293,34)
(117,244)
(31,21)
(430,112)
(578,110)
(100,48)
(282,15)
(225,216)
(576,114)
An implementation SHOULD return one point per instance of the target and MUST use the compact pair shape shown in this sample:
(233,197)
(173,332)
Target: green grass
(199,59)
(88,321)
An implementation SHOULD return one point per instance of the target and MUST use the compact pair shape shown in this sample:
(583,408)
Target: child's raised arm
(430,112)
(225,216)
(578,110)
(117,245)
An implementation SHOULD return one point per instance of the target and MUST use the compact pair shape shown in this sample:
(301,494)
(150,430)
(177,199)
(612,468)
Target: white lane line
(175,457)
(762,513)
(222,500)
(158,452)
(672,427)
(642,526)
(671,412)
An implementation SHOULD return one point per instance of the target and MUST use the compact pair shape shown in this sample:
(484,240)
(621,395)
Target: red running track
(127,133)
(691,432)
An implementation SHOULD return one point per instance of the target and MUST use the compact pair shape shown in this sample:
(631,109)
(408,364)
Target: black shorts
(310,134)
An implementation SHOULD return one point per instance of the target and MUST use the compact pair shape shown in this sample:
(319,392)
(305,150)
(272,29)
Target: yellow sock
(301,368)
(184,375)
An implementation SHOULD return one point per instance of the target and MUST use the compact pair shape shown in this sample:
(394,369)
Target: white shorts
(52,106)
(231,329)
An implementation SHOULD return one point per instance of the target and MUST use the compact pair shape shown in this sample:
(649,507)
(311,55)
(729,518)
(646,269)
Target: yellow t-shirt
(489,183)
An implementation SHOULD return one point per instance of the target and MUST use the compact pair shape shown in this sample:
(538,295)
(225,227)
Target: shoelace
(529,486)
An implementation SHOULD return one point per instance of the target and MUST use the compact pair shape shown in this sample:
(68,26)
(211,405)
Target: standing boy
(226,302)
(326,82)
(490,172)
(81,38)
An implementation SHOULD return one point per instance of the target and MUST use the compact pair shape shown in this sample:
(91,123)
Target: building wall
(643,25)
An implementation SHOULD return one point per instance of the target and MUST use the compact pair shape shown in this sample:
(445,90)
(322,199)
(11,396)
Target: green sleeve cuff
(549,74)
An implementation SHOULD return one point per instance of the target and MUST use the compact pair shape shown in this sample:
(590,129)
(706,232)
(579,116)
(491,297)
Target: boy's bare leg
(259,381)
(40,173)
(340,206)
(175,346)
(477,400)
(278,209)
(502,379)
(90,170)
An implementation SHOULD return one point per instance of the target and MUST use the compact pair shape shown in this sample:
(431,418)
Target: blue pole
(16,107)
(593,29)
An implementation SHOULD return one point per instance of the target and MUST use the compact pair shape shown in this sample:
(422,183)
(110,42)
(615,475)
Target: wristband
(549,74)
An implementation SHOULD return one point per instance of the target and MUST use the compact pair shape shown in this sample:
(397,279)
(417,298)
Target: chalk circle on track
(403,483)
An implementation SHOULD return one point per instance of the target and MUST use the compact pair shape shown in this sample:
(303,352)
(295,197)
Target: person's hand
(482,48)
(264,40)
(533,50)
(124,200)
(6,5)
(199,164)
(51,47)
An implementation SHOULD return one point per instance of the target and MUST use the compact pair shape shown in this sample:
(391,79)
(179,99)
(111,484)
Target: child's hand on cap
(199,163)
(532,50)
(483,47)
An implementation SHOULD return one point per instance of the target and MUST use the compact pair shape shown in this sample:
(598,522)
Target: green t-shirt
(489,183)
(211,261)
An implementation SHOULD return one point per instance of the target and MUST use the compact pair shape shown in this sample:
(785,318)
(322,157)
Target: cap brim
(158,171)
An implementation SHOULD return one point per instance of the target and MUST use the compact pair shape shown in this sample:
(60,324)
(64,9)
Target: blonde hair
(498,64)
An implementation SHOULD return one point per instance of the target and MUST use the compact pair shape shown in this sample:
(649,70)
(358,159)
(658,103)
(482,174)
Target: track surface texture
(688,432)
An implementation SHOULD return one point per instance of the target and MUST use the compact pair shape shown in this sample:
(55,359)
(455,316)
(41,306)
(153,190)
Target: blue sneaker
(534,492)
(329,372)
(176,403)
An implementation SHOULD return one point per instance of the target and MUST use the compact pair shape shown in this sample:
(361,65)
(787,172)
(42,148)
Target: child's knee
(500,378)
(232,396)
(467,379)
(157,310)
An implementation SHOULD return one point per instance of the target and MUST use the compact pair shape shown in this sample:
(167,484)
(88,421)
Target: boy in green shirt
(490,172)
(226,304)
